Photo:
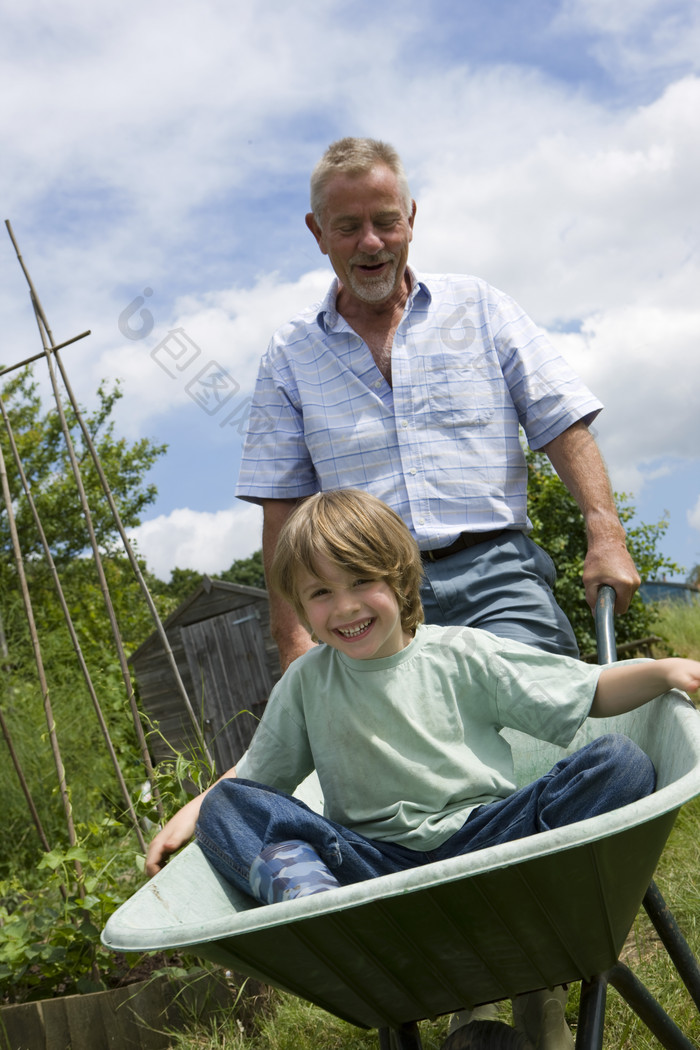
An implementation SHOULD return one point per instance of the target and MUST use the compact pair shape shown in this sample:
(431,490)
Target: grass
(281,1022)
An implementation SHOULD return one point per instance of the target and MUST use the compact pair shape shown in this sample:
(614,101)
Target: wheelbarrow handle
(604,627)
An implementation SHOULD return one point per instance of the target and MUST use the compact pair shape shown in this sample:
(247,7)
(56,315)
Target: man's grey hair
(355,156)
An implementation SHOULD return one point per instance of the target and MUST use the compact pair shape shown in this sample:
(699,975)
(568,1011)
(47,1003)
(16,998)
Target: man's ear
(317,231)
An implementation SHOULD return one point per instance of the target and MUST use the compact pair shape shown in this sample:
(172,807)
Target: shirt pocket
(462,390)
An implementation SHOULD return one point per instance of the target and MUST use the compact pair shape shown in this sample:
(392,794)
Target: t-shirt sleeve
(546,696)
(279,754)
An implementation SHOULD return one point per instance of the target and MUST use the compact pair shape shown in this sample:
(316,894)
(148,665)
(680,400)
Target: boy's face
(358,616)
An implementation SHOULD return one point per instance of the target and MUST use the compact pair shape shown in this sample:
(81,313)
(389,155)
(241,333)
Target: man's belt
(465,540)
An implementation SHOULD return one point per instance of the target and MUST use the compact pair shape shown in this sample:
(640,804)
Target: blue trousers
(504,586)
(240,818)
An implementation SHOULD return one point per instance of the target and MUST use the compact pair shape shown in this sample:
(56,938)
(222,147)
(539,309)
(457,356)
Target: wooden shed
(221,642)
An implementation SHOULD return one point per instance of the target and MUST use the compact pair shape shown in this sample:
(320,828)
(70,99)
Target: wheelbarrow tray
(542,911)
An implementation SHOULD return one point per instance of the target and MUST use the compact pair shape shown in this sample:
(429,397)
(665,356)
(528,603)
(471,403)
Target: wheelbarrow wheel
(486,1035)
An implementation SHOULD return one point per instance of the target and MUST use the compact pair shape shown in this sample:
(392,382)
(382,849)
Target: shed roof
(202,599)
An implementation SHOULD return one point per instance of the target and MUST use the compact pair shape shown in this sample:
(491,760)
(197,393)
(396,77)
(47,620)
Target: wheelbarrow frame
(551,909)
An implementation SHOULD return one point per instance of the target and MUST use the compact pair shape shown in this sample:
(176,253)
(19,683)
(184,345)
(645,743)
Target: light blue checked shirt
(441,445)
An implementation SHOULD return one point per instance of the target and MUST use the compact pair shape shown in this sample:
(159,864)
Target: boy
(401,722)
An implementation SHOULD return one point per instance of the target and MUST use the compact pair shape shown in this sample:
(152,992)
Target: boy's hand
(682,674)
(170,838)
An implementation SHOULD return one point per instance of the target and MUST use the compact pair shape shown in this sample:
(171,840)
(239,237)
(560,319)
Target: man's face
(365,232)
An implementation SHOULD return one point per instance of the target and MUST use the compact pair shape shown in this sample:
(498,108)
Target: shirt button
(421,521)
(377,384)
(404,423)
(413,470)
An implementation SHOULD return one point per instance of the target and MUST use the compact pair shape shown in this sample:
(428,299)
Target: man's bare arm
(292,639)
(577,460)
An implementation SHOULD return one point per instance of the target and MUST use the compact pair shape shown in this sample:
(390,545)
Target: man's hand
(608,562)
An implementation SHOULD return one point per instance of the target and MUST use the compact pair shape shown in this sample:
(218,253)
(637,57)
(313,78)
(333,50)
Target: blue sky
(156,157)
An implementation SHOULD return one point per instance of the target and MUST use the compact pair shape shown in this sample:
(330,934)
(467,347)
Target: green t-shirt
(406,746)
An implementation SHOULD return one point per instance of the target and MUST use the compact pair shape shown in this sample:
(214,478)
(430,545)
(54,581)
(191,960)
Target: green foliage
(678,623)
(52,914)
(89,770)
(247,571)
(558,527)
(183,583)
(50,931)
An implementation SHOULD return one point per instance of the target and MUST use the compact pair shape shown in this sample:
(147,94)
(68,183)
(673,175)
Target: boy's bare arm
(625,687)
(178,831)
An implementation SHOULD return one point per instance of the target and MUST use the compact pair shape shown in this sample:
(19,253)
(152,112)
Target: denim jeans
(503,586)
(239,818)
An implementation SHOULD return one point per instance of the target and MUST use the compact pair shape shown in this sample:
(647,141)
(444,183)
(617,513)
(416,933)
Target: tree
(46,464)
(559,528)
(247,571)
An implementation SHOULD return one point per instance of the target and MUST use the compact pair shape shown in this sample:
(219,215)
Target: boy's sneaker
(540,1017)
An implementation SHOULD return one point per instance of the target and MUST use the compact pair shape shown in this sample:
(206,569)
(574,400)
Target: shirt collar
(328,318)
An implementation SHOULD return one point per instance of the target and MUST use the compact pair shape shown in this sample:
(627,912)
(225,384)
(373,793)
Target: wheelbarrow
(547,910)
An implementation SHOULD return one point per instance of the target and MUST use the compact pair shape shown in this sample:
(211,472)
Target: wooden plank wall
(157,690)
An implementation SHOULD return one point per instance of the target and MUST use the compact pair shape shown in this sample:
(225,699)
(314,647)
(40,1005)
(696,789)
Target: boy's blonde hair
(360,534)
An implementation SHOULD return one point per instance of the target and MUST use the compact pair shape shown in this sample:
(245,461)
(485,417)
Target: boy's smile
(357,615)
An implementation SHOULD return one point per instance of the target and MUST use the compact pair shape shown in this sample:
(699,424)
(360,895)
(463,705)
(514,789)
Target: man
(415,388)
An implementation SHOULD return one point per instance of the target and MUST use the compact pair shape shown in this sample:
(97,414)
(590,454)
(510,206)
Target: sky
(154,167)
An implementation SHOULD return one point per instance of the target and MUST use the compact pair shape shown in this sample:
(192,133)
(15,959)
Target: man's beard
(373,289)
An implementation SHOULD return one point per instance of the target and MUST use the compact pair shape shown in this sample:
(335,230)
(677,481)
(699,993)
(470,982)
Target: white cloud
(635,37)
(207,543)
(229,329)
(594,212)
(170,145)
(641,361)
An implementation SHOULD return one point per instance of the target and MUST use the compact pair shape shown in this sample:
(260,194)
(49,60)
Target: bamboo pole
(97,557)
(29,612)
(136,568)
(37,357)
(71,630)
(46,332)
(47,341)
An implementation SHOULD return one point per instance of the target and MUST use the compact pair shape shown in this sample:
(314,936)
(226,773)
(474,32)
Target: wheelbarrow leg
(407,1037)
(674,942)
(591,1014)
(646,1007)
